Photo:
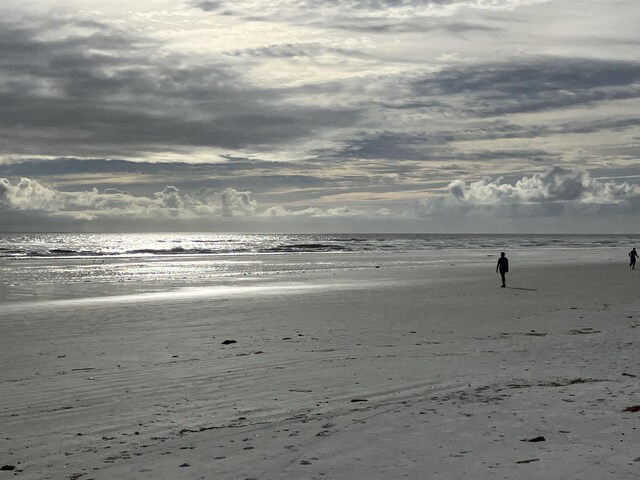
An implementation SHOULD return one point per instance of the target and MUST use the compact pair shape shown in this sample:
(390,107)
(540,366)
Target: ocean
(30,245)
(63,265)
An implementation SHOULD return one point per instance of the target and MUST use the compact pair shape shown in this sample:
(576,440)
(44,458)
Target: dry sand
(378,373)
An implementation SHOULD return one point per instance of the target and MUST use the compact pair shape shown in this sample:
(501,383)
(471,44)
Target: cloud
(557,184)
(27,195)
(28,205)
(339,8)
(526,85)
(435,146)
(555,191)
(334,212)
(170,198)
(369,16)
(207,5)
(312,111)
(30,195)
(97,90)
(228,203)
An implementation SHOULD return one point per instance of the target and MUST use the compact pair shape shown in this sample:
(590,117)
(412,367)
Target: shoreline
(38,279)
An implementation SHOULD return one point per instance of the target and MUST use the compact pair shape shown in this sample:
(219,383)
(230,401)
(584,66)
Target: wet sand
(430,371)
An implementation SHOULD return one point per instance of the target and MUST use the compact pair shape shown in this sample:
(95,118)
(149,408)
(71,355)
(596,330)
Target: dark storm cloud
(107,93)
(522,86)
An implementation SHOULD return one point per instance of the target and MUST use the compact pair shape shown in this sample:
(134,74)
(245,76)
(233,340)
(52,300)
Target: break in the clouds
(335,114)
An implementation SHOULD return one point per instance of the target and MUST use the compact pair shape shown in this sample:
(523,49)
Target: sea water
(60,265)
(16,245)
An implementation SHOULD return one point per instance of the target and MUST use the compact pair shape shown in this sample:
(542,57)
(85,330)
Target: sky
(320,116)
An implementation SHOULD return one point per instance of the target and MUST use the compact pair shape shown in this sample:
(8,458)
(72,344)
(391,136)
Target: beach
(402,366)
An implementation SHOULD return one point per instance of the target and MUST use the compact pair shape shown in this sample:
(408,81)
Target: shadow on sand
(520,288)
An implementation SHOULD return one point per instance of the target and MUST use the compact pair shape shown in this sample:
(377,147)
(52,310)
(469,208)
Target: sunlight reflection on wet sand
(189,293)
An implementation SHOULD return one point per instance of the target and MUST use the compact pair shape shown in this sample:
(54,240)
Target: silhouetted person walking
(632,256)
(503,268)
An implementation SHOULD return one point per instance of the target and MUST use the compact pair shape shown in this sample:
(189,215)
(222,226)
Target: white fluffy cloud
(555,191)
(555,200)
(280,211)
(228,203)
(30,195)
(554,185)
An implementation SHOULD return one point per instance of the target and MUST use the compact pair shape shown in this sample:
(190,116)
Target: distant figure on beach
(503,268)
(632,256)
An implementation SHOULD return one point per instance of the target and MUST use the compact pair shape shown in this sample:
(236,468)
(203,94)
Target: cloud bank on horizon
(555,192)
(385,115)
